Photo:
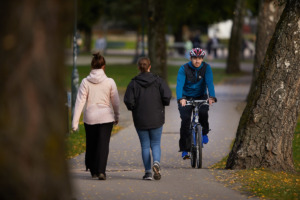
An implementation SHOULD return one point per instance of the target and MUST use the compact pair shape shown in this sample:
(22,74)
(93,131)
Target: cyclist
(193,80)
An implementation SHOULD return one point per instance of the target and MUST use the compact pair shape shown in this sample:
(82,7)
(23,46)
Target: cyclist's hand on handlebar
(211,101)
(182,102)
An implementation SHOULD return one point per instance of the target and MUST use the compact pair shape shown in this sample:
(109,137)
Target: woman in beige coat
(100,95)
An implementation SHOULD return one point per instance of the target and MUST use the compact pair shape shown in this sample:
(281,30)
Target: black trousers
(97,146)
(185,115)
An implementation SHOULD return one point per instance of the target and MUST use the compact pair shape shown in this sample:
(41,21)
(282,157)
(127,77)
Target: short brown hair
(143,64)
(98,61)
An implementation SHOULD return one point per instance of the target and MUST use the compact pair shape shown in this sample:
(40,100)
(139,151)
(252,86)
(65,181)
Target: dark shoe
(156,170)
(205,139)
(147,176)
(95,175)
(102,176)
(185,155)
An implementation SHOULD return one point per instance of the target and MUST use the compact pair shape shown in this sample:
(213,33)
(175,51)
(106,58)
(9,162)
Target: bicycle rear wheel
(199,146)
(193,150)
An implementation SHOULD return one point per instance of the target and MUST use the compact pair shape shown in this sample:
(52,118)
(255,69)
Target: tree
(265,132)
(197,14)
(32,100)
(156,37)
(235,42)
(269,14)
(89,12)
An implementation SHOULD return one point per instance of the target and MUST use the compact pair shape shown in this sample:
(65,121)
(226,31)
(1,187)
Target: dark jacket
(146,96)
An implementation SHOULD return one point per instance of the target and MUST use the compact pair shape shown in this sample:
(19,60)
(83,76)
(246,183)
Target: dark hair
(143,64)
(98,61)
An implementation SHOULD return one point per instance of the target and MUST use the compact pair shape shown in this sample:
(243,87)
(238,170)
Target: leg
(102,150)
(203,118)
(155,138)
(185,135)
(145,145)
(91,136)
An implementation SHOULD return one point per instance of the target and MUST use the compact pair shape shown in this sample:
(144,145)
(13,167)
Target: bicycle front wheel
(199,146)
(193,150)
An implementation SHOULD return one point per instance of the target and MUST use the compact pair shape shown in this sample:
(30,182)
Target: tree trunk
(136,54)
(88,40)
(32,100)
(179,38)
(156,37)
(265,133)
(269,14)
(235,42)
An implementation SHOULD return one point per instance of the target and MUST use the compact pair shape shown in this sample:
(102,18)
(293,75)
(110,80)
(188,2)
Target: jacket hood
(96,76)
(145,79)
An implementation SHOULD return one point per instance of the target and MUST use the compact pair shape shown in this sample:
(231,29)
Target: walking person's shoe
(95,175)
(185,155)
(102,176)
(205,139)
(156,170)
(147,176)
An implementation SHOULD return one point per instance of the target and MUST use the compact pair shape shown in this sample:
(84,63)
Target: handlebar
(195,102)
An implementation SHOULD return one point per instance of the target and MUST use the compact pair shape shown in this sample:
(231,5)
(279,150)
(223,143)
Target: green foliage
(88,13)
(197,12)
(125,13)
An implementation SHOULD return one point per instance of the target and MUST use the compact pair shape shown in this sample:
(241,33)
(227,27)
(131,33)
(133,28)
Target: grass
(265,183)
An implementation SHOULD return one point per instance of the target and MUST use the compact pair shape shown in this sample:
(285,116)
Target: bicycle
(196,128)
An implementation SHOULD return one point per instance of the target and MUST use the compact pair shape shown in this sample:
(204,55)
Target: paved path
(179,180)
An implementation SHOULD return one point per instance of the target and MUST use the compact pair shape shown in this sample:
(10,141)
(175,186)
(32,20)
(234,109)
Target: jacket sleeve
(80,102)
(180,83)
(115,100)
(165,92)
(209,82)
(129,99)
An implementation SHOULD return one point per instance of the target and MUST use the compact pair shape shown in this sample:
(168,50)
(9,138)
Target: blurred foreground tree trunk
(265,133)
(268,16)
(156,37)
(32,101)
(235,42)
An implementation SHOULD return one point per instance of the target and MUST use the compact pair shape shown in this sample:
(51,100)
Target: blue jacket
(186,88)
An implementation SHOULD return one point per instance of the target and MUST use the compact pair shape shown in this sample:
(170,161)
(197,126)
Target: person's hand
(75,128)
(211,101)
(182,102)
(116,122)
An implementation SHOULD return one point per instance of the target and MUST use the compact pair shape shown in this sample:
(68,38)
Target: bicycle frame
(197,144)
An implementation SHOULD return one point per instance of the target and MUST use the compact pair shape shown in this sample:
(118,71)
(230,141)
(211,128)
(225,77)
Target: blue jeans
(150,138)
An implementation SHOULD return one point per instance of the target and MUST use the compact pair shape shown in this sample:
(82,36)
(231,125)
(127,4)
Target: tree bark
(88,40)
(265,133)
(32,100)
(235,42)
(269,14)
(156,37)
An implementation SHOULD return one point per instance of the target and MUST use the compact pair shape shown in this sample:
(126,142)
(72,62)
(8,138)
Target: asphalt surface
(179,180)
